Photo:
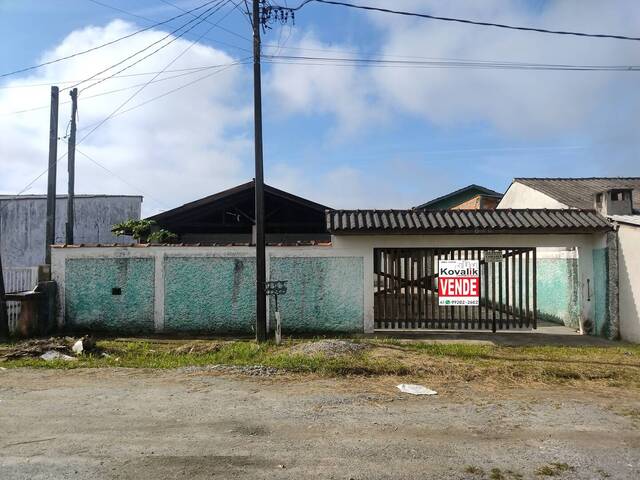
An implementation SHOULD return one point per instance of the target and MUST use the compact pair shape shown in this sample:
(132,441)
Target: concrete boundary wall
(330,268)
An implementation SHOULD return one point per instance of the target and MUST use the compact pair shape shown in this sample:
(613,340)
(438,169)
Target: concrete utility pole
(4,317)
(71,164)
(261,275)
(50,234)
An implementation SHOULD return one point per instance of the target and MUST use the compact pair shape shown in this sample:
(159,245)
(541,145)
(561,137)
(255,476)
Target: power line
(137,189)
(220,27)
(354,61)
(240,62)
(147,19)
(191,71)
(146,84)
(33,67)
(470,22)
(208,12)
(140,74)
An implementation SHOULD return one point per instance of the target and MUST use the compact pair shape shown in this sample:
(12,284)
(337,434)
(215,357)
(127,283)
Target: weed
(554,469)
(473,470)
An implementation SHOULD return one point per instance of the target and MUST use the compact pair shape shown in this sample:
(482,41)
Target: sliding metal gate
(406,289)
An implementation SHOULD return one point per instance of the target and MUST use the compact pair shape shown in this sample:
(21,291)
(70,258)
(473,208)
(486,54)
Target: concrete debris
(414,389)
(55,355)
(329,348)
(77,347)
(37,347)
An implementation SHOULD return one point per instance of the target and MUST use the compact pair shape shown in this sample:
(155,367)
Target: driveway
(193,423)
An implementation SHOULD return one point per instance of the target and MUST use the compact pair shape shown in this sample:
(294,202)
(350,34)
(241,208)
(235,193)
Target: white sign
(458,282)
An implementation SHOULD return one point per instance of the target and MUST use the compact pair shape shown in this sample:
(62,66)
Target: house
(471,197)
(23,219)
(616,198)
(228,217)
(564,192)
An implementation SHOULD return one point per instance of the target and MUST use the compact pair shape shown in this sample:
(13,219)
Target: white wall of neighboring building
(629,276)
(523,196)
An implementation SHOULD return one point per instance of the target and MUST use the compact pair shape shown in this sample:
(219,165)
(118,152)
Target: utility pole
(4,317)
(71,164)
(50,233)
(261,274)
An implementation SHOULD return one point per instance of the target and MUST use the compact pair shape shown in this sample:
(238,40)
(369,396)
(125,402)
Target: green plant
(138,229)
(141,230)
(162,236)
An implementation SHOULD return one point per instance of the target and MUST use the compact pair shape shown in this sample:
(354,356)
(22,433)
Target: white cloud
(180,147)
(521,104)
(312,88)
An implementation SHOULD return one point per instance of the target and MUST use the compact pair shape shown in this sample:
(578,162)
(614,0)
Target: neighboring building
(618,199)
(228,217)
(23,221)
(472,197)
(564,192)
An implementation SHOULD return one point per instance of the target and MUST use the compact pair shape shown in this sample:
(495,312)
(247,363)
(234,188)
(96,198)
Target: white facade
(523,196)
(629,278)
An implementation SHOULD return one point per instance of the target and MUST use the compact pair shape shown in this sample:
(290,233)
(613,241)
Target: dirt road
(119,423)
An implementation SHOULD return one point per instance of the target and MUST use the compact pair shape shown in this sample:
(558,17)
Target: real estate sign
(458,282)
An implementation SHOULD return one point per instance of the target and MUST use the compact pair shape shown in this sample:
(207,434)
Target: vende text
(458,287)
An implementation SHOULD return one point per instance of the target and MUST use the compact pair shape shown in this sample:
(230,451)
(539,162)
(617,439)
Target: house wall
(23,220)
(206,289)
(523,196)
(629,282)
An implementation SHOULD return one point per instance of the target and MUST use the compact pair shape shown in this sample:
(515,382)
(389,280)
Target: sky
(390,136)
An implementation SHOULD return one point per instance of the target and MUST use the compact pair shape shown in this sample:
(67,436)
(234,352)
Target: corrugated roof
(629,219)
(579,192)
(476,189)
(420,221)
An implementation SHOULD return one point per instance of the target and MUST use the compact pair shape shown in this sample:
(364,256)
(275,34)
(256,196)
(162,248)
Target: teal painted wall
(558,289)
(209,294)
(90,304)
(325,294)
(600,294)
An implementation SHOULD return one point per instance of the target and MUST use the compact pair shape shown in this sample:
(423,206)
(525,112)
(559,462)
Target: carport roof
(426,222)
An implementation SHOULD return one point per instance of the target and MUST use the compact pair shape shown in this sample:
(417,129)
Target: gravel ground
(208,423)
(330,348)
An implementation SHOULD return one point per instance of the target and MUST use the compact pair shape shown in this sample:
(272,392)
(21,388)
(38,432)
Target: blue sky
(344,136)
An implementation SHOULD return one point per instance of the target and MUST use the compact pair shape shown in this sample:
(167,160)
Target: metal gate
(406,289)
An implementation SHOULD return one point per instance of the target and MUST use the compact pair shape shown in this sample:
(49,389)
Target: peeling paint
(209,294)
(558,290)
(600,296)
(325,294)
(90,302)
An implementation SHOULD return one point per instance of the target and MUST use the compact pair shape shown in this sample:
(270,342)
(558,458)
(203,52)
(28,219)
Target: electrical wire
(353,61)
(147,19)
(210,11)
(470,22)
(123,180)
(220,27)
(33,67)
(162,95)
(191,71)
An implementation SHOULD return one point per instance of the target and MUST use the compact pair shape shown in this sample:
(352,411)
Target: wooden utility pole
(4,317)
(261,276)
(71,164)
(50,233)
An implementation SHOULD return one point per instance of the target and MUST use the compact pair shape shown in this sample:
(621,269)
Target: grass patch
(554,469)
(473,470)
(613,366)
